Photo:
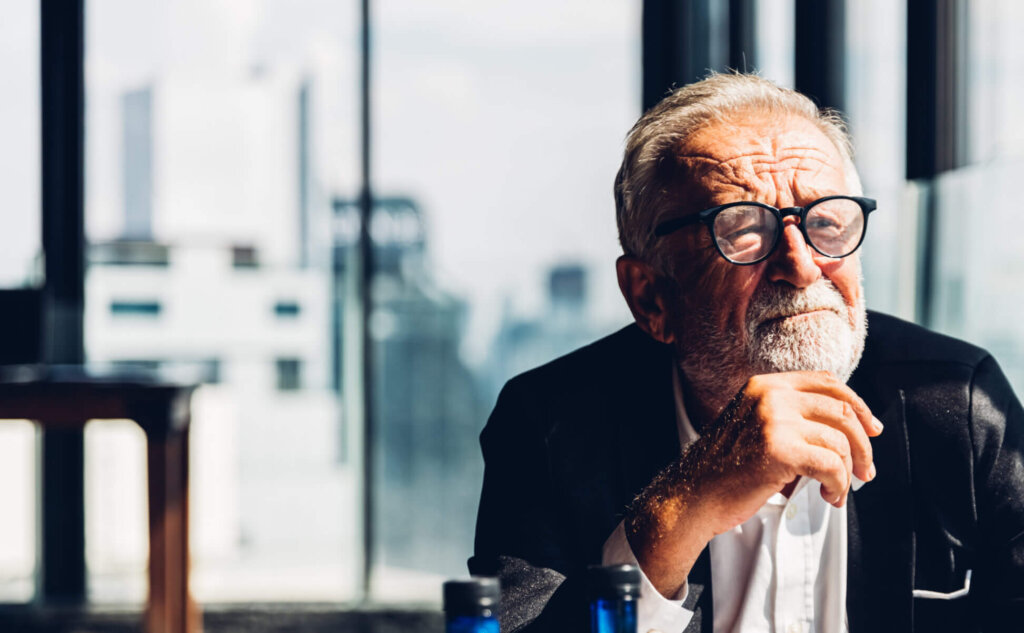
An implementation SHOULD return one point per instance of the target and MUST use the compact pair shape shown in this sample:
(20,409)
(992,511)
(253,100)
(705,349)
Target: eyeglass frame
(707,218)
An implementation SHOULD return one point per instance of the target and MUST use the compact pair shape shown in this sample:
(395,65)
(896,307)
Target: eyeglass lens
(747,233)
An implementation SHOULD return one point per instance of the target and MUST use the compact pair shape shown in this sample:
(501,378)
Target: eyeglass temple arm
(673,225)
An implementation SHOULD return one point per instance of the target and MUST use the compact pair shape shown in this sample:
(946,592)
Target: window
(495,241)
(289,374)
(20,240)
(137,365)
(978,286)
(776,34)
(18,530)
(216,135)
(287,310)
(20,270)
(876,39)
(245,257)
(221,171)
(129,253)
(135,308)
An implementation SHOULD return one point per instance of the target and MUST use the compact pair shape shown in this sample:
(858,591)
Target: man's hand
(777,428)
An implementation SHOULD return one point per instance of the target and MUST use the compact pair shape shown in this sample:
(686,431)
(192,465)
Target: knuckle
(861,442)
(844,451)
(837,466)
(839,445)
(771,441)
(765,408)
(821,465)
(847,411)
(860,406)
(869,453)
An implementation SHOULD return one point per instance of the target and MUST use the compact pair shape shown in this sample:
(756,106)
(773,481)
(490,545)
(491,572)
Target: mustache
(773,301)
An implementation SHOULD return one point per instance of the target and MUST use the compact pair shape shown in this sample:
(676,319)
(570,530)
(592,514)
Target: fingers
(824,465)
(825,383)
(839,416)
(801,423)
(833,387)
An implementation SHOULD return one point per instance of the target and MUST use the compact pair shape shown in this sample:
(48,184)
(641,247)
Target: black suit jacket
(571,443)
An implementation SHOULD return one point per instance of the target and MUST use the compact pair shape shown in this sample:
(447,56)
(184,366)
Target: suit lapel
(880,564)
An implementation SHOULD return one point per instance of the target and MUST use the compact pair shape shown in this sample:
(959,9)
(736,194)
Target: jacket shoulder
(625,371)
(607,361)
(891,340)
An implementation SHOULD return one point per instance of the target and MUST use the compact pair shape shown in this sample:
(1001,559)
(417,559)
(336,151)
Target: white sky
(505,120)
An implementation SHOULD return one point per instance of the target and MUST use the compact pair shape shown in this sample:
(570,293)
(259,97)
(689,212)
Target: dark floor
(276,618)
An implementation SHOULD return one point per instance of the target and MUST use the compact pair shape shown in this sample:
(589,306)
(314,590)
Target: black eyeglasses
(748,232)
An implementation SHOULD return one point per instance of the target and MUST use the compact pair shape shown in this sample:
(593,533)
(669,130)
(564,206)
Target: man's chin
(814,341)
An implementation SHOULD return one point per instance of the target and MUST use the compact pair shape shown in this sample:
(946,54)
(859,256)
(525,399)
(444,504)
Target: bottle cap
(613,582)
(477,596)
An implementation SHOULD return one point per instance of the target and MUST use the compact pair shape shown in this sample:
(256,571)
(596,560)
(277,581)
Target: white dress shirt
(782,571)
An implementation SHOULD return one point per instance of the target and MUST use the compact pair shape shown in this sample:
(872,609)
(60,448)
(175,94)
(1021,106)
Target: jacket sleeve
(997,427)
(521,533)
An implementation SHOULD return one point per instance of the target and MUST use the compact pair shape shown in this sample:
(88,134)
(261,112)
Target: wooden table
(67,397)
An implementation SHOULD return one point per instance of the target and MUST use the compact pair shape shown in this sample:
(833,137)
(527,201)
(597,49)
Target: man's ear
(644,291)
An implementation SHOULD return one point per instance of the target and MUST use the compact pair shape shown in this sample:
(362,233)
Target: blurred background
(214,173)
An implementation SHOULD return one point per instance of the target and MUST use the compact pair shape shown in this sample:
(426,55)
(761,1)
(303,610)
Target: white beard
(825,341)
(717,364)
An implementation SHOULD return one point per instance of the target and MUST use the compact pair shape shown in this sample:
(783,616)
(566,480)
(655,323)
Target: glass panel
(876,39)
(498,132)
(217,135)
(776,33)
(20,242)
(978,286)
(116,528)
(20,239)
(18,446)
(994,80)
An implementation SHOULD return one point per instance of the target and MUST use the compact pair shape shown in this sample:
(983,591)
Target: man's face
(797,310)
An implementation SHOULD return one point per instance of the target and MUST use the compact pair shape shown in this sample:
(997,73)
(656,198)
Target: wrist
(667,538)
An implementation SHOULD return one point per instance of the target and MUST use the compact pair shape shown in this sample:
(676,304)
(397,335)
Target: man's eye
(743,242)
(822,223)
(739,233)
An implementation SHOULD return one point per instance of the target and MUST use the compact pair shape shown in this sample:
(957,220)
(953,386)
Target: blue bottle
(613,592)
(471,606)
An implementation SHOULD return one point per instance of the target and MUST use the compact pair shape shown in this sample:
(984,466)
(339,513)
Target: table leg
(170,608)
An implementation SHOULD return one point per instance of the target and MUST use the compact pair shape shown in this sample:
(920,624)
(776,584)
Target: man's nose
(793,259)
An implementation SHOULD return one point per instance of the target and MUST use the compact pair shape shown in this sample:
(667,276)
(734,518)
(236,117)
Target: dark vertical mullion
(932,77)
(821,51)
(935,117)
(676,45)
(62,52)
(366,273)
(742,35)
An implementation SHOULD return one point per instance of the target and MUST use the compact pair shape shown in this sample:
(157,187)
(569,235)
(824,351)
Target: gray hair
(649,162)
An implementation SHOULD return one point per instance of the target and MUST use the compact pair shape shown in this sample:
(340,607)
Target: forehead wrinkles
(757,170)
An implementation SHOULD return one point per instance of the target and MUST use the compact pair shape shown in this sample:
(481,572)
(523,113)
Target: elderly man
(723,441)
